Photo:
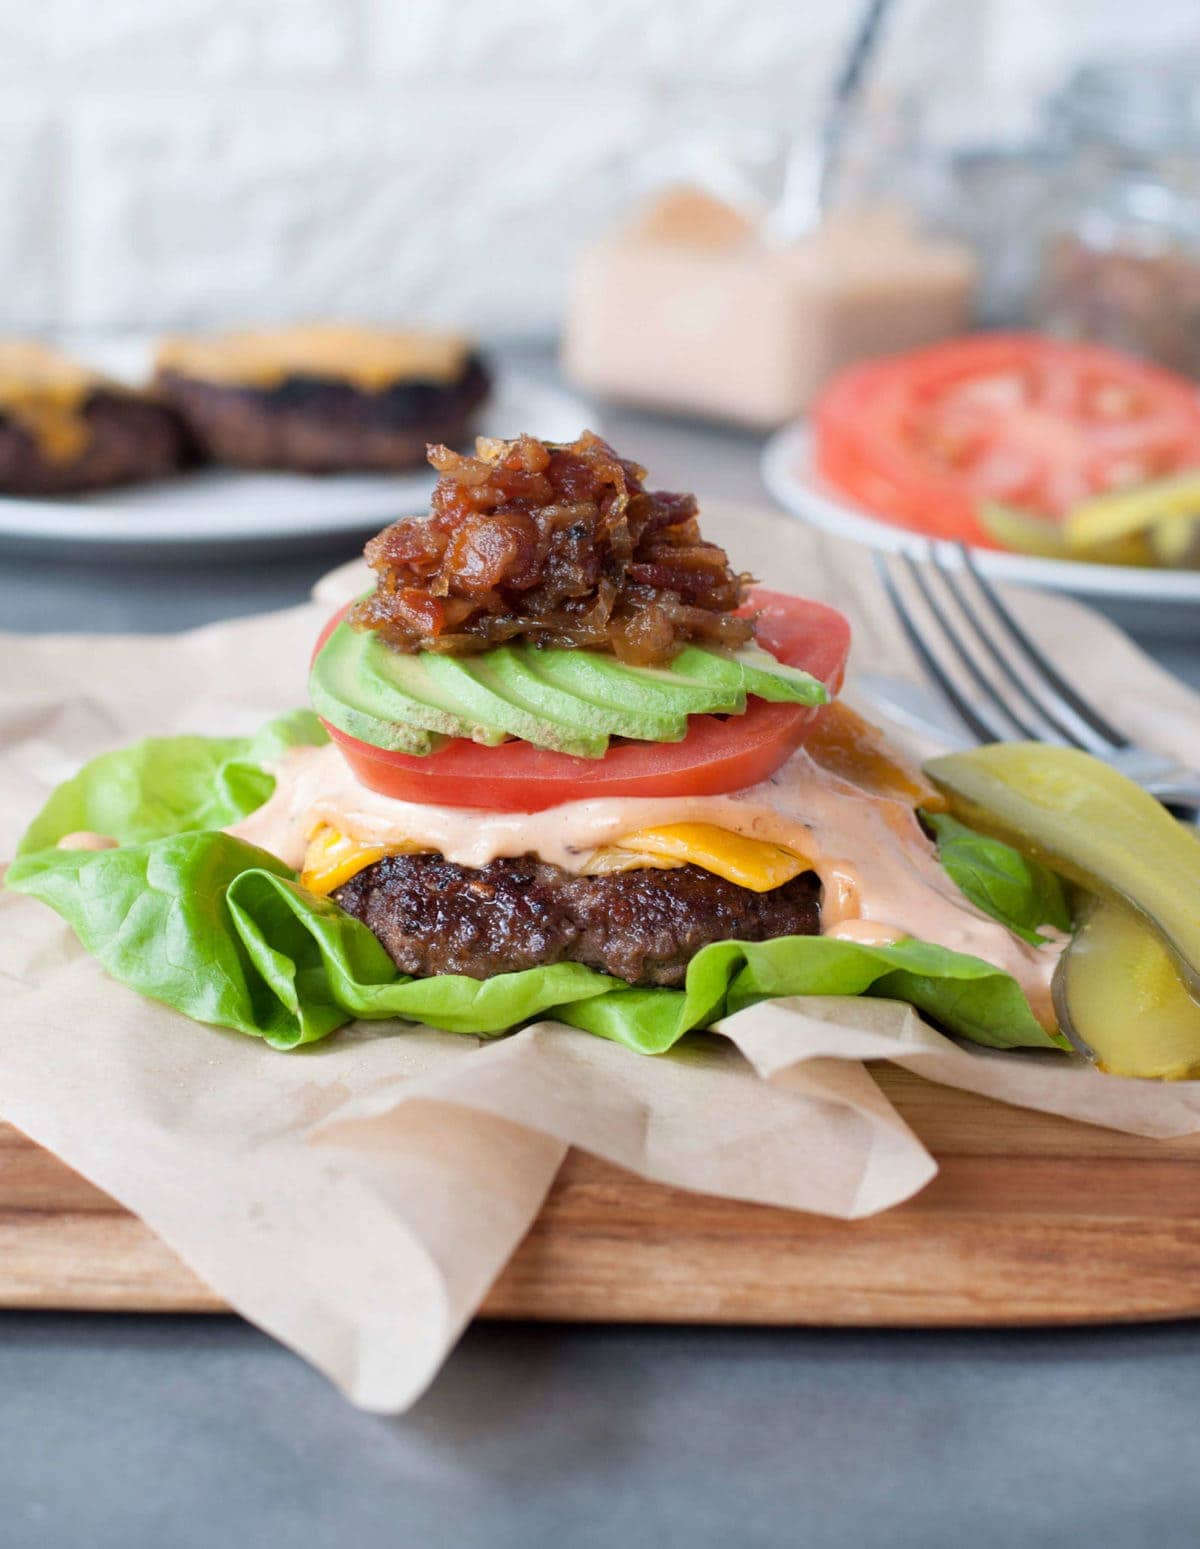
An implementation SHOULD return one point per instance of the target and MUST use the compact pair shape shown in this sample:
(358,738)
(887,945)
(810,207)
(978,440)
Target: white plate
(1137,594)
(222,506)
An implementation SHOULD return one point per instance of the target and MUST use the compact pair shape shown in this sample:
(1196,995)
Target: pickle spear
(1120,999)
(1091,824)
(1163,508)
(1042,536)
(1022,532)
(1156,524)
(1176,545)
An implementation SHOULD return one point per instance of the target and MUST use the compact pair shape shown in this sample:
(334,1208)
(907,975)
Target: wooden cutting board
(1032,1219)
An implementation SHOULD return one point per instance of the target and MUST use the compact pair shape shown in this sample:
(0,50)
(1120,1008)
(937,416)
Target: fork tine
(1077,735)
(976,725)
(1051,677)
(965,655)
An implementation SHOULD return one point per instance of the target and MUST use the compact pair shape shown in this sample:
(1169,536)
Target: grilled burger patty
(645,926)
(130,437)
(318,426)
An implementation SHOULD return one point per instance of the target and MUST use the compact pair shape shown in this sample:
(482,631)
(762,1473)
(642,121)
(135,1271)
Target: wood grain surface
(1032,1219)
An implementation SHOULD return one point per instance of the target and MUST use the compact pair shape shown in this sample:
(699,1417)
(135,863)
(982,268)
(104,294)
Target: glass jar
(1120,255)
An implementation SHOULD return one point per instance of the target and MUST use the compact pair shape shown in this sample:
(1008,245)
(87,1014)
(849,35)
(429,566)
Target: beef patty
(130,437)
(312,425)
(645,926)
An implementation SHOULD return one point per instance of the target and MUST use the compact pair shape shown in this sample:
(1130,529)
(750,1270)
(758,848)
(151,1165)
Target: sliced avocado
(1090,823)
(567,701)
(1022,531)
(767,678)
(622,711)
(406,682)
(656,711)
(335,694)
(1120,999)
(755,670)
(720,673)
(660,690)
(472,682)
(356,677)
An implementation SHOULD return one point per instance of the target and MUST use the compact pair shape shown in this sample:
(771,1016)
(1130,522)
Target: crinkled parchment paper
(357,1198)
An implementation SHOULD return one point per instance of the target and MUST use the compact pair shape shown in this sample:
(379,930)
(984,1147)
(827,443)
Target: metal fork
(1017,693)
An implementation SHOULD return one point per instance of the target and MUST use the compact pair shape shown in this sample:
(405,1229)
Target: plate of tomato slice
(1067,466)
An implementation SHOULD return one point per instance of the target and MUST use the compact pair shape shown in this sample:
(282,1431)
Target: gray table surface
(165,1431)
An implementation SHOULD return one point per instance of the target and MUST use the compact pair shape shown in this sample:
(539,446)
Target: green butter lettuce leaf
(168,919)
(222,931)
(1019,892)
(169,785)
(966,995)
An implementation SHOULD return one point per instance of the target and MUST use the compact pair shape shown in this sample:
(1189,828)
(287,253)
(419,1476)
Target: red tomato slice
(718,754)
(922,438)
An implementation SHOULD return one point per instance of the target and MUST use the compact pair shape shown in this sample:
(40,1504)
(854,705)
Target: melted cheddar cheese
(45,393)
(333,858)
(750,863)
(372,359)
(842,743)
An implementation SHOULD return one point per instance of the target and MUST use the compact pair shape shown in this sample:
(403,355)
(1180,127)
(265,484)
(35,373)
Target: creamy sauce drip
(85,839)
(880,875)
(370,358)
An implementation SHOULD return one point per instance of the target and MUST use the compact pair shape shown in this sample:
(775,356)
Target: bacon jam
(560,545)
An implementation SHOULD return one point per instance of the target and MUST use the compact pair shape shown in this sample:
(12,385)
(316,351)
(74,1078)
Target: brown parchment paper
(357,1199)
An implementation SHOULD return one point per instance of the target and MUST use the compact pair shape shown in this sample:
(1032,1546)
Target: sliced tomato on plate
(923,438)
(719,753)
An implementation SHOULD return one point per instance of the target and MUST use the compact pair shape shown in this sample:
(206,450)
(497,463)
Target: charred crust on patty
(644,926)
(318,425)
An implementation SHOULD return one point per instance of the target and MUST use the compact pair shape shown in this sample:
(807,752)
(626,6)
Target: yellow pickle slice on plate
(1165,513)
(1045,538)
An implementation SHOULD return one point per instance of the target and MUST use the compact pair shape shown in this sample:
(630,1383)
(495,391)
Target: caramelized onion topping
(558,545)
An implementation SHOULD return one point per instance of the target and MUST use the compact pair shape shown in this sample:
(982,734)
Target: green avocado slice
(369,713)
(674,690)
(623,712)
(405,684)
(567,701)
(475,683)
(769,679)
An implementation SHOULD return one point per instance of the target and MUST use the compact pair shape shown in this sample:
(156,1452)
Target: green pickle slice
(1091,824)
(1166,511)
(1120,999)
(1024,533)
(1176,544)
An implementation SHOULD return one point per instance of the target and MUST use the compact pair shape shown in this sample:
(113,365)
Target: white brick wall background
(181,162)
